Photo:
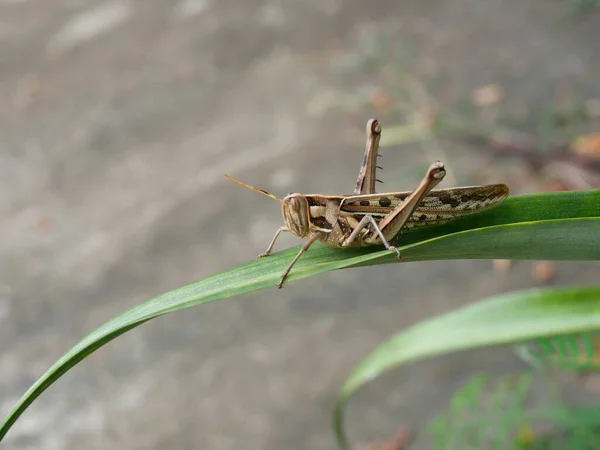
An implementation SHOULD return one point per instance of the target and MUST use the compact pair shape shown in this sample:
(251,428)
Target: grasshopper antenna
(260,191)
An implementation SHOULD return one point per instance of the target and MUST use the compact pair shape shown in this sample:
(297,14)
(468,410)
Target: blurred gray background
(118,119)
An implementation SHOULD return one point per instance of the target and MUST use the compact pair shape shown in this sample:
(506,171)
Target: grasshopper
(367,218)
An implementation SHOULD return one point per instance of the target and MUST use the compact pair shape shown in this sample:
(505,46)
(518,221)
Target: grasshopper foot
(394,249)
(263,254)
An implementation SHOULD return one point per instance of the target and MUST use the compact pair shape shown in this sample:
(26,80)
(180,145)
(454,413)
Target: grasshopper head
(296,214)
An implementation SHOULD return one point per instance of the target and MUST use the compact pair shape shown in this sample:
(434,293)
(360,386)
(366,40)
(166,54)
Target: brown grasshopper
(366,218)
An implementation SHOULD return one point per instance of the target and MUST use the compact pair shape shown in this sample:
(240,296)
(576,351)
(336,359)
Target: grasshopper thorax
(296,214)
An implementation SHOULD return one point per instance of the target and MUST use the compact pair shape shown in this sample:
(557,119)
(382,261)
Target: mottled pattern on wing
(439,206)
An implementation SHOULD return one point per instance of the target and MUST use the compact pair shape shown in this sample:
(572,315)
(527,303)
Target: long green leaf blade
(503,319)
(557,226)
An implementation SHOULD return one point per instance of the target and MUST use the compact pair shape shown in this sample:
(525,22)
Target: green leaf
(503,319)
(522,411)
(576,352)
(558,226)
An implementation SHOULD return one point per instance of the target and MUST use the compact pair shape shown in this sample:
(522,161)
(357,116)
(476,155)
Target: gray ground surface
(117,121)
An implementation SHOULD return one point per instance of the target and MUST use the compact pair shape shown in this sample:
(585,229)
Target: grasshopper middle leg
(311,239)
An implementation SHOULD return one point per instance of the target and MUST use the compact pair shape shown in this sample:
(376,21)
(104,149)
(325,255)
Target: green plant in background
(555,320)
(551,226)
(583,6)
(514,412)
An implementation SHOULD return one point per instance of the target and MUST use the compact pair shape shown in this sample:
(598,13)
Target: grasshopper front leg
(269,249)
(311,239)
